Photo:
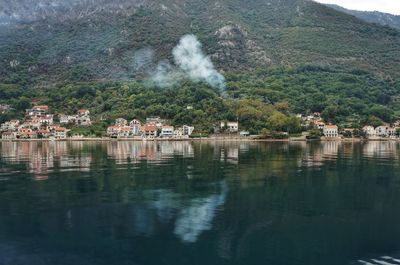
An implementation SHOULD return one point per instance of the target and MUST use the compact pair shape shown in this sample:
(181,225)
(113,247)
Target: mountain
(90,40)
(384,19)
(290,56)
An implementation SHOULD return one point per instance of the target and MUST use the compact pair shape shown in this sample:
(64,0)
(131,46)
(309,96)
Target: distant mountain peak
(377,17)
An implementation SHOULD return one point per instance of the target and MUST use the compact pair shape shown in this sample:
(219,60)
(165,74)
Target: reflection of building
(43,157)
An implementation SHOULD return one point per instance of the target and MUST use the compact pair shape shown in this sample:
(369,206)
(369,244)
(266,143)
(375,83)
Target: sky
(387,6)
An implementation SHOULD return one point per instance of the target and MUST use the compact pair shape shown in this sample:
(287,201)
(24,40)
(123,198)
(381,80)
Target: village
(40,123)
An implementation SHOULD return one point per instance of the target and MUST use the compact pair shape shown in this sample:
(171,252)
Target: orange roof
(150,127)
(44,107)
(331,126)
(61,129)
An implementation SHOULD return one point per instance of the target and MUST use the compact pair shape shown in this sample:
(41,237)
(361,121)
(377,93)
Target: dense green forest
(268,99)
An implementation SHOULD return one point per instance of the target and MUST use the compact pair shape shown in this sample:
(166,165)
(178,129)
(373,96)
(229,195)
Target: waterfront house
(178,133)
(60,133)
(149,131)
(135,126)
(43,133)
(124,132)
(167,131)
(8,135)
(112,131)
(369,131)
(330,131)
(26,133)
(187,130)
(385,131)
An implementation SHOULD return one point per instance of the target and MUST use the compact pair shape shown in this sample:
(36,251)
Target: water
(199,203)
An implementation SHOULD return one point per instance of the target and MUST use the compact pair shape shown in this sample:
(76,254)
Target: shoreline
(209,139)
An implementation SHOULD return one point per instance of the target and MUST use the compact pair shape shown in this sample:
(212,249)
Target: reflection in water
(197,217)
(199,203)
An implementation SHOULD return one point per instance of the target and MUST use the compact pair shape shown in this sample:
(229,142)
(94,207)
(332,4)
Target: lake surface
(173,203)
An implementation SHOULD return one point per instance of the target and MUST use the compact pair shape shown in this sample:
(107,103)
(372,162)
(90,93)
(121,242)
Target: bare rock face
(236,46)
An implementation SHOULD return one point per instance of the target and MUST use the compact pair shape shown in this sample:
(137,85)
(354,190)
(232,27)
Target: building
(121,122)
(26,133)
(43,133)
(124,132)
(44,119)
(330,131)
(65,119)
(187,130)
(135,126)
(156,121)
(37,111)
(149,131)
(369,131)
(60,133)
(8,135)
(10,125)
(112,131)
(83,112)
(385,131)
(167,131)
(83,121)
(230,126)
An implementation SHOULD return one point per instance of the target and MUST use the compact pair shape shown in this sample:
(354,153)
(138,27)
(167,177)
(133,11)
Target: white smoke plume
(190,62)
(190,58)
(165,75)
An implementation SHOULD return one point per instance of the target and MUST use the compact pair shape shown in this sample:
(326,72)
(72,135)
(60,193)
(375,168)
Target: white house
(187,130)
(65,119)
(330,131)
(167,132)
(60,133)
(385,131)
(369,131)
(124,132)
(8,135)
(83,121)
(230,126)
(135,126)
(10,125)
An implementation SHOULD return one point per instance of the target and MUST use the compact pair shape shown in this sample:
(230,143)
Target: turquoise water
(178,203)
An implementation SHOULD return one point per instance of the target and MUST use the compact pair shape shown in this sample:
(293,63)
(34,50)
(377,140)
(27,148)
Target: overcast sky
(388,6)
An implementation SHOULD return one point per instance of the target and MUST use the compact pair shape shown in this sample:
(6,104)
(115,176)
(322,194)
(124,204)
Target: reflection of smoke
(197,218)
(191,59)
